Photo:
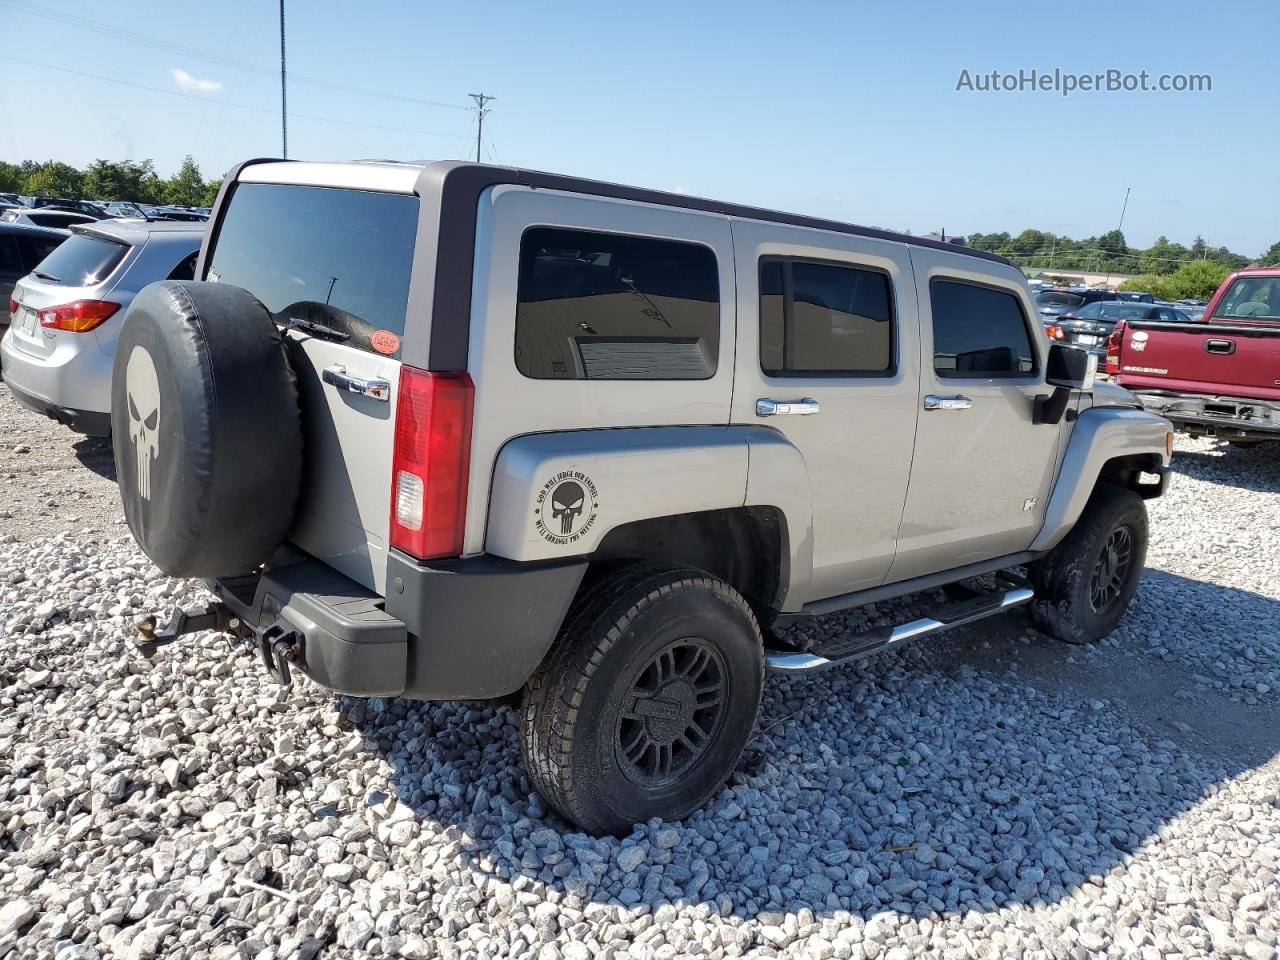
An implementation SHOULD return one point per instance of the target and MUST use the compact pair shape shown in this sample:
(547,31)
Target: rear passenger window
(186,270)
(978,332)
(824,319)
(605,306)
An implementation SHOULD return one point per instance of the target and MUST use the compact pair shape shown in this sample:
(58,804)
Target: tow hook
(277,644)
(181,622)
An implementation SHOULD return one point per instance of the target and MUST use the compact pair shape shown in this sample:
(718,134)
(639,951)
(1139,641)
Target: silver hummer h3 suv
(458,431)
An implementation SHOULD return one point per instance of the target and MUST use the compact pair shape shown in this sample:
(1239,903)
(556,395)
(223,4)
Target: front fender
(1100,434)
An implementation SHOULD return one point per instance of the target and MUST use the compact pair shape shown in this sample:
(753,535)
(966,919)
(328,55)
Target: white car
(67,313)
(61,219)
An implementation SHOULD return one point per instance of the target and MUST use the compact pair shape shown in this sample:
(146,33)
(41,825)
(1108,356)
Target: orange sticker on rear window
(384,341)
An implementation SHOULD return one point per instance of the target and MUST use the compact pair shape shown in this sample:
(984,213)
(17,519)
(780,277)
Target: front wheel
(644,704)
(1085,583)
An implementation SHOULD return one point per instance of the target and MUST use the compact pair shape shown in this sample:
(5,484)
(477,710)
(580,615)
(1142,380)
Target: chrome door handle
(376,388)
(796,408)
(959,402)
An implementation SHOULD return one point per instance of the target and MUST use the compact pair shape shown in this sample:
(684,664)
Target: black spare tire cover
(208,443)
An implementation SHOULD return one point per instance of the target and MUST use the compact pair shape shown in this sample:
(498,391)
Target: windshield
(320,255)
(1251,298)
(1054,298)
(81,261)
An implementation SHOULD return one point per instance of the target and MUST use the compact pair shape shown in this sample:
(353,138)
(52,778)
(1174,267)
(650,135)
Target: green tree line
(135,180)
(1037,250)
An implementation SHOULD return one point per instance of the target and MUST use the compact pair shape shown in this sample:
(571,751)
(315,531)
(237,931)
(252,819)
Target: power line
(129,36)
(481,99)
(228,103)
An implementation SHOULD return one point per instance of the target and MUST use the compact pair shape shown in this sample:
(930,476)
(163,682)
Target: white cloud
(186,81)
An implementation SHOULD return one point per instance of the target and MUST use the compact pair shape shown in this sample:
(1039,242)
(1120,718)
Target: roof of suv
(136,231)
(410,177)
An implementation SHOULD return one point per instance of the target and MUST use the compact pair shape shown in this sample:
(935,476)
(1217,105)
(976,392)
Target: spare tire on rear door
(208,442)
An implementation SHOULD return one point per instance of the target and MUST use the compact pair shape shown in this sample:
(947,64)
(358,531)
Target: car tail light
(79,316)
(13,307)
(1055,332)
(1114,343)
(430,463)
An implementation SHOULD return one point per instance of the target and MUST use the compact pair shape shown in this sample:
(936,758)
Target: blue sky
(847,110)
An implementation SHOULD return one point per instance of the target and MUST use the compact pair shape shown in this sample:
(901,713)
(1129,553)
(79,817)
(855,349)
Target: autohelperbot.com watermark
(1065,82)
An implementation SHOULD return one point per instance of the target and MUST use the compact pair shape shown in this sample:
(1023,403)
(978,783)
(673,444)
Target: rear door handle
(376,388)
(790,408)
(959,402)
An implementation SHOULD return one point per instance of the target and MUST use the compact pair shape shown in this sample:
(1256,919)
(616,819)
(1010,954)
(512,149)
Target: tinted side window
(978,332)
(186,270)
(603,306)
(340,258)
(824,318)
(35,249)
(10,263)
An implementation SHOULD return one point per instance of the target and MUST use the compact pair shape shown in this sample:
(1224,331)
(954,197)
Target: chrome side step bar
(798,661)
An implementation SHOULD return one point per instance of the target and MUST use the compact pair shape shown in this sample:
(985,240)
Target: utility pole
(284,94)
(480,99)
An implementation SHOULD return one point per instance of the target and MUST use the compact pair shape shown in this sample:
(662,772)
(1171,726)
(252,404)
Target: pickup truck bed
(1210,379)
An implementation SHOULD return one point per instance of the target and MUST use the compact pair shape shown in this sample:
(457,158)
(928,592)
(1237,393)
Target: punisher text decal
(566,507)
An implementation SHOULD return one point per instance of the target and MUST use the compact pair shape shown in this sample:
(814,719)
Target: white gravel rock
(985,795)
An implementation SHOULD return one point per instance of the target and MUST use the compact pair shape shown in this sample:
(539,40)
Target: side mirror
(1071,367)
(1068,369)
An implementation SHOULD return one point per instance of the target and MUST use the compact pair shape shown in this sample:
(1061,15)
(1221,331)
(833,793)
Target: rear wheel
(644,704)
(1084,585)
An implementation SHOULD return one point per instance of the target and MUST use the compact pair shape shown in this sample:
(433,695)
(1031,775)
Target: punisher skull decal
(143,390)
(566,507)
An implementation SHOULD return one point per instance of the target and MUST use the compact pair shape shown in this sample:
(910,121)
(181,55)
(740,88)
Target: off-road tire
(580,704)
(1064,581)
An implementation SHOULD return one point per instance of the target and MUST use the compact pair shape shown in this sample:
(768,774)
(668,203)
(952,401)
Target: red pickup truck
(1218,378)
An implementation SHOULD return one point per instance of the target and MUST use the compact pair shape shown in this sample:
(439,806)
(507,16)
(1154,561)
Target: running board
(883,638)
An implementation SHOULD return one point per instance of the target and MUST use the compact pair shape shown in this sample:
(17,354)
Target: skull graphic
(566,505)
(143,389)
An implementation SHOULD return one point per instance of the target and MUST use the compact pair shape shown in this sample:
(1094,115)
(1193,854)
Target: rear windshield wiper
(313,328)
(45,276)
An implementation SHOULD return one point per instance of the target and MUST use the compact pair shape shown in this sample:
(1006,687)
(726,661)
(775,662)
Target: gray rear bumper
(448,630)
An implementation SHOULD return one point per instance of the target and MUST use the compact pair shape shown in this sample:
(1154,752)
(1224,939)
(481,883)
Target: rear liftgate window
(81,261)
(603,306)
(333,257)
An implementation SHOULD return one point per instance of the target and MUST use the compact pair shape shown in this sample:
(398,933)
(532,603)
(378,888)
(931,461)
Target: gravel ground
(987,794)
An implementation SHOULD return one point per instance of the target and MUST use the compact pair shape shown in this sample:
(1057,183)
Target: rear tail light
(1113,347)
(1055,332)
(13,307)
(78,317)
(431,461)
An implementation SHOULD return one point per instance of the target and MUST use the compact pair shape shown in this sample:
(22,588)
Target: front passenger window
(978,332)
